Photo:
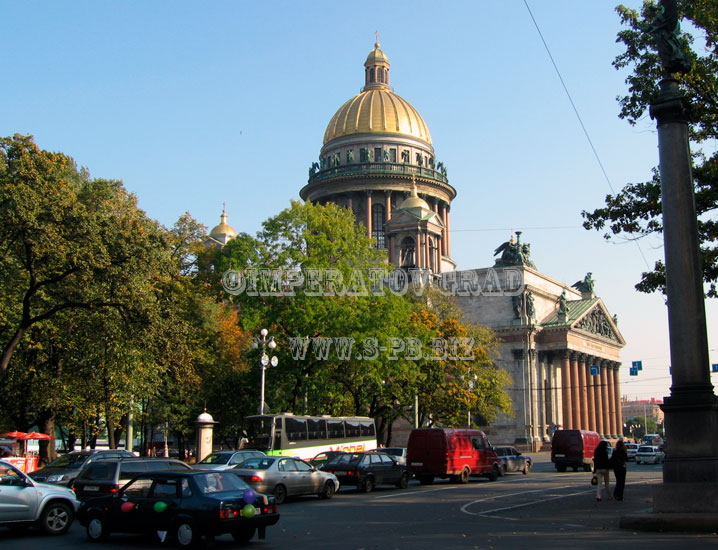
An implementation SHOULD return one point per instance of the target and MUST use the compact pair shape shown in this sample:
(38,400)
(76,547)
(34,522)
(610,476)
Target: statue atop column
(665,29)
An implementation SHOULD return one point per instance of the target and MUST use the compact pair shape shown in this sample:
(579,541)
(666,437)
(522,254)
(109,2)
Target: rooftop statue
(665,29)
(514,253)
(586,285)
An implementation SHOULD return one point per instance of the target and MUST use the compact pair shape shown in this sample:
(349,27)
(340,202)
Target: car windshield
(216,458)
(69,460)
(219,482)
(258,463)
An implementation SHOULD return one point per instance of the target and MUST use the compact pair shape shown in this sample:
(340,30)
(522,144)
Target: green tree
(67,242)
(636,210)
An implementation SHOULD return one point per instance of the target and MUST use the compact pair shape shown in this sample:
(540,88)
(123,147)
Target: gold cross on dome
(376,33)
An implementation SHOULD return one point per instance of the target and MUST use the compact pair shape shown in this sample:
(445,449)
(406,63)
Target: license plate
(559,456)
(91,488)
(417,463)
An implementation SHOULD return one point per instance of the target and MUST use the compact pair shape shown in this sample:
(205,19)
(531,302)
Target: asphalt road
(545,509)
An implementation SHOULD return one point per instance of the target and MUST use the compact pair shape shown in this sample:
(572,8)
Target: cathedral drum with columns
(378,160)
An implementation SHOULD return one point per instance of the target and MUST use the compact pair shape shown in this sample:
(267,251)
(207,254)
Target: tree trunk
(47,448)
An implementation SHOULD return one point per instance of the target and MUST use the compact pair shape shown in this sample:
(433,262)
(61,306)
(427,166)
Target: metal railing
(378,168)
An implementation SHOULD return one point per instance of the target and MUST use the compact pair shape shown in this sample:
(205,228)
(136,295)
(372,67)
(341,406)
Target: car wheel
(502,470)
(527,469)
(185,535)
(403,481)
(56,518)
(244,535)
(97,529)
(280,494)
(328,490)
(494,474)
(426,480)
(464,475)
(368,485)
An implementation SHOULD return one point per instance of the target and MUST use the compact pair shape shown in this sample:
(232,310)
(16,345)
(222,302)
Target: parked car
(631,450)
(25,502)
(649,454)
(573,449)
(456,454)
(321,459)
(183,506)
(108,476)
(367,470)
(224,460)
(398,452)
(512,460)
(64,469)
(283,476)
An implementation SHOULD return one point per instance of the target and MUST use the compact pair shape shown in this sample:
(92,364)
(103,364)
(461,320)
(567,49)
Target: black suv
(64,470)
(108,476)
(367,470)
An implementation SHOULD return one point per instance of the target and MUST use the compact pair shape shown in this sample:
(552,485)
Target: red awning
(15,435)
(36,435)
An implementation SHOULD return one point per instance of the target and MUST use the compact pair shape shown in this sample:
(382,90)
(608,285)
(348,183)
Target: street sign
(633,371)
(714,367)
(638,365)
(595,370)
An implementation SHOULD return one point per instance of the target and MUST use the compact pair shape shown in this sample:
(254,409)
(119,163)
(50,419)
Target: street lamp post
(265,343)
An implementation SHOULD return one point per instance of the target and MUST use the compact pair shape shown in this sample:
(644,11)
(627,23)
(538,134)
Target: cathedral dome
(377,109)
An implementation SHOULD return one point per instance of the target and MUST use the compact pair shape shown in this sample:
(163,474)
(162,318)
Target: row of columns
(587,402)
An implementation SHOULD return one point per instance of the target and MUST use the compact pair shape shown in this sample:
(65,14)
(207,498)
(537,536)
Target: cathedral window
(377,224)
(392,155)
(407,253)
(371,76)
(377,154)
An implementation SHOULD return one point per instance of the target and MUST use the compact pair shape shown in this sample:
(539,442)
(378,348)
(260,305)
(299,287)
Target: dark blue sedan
(181,506)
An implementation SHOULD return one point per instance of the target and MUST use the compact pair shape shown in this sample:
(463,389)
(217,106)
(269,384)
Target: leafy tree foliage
(636,210)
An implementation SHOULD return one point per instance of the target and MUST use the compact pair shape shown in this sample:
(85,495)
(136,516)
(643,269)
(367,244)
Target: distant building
(650,408)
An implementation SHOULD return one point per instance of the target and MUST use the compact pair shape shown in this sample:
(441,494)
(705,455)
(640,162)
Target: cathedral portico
(559,343)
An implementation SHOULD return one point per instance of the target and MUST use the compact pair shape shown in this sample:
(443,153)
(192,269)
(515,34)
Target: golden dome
(377,109)
(414,201)
(223,231)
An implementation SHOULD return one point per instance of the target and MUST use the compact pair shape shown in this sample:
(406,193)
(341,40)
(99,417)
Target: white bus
(287,434)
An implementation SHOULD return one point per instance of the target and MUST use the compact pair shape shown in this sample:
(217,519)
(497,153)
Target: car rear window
(131,469)
(345,459)
(645,449)
(216,458)
(99,471)
(258,463)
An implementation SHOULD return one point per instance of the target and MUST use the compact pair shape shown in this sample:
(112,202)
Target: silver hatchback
(25,502)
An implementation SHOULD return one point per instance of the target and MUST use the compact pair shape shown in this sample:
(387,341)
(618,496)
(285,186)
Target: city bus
(287,434)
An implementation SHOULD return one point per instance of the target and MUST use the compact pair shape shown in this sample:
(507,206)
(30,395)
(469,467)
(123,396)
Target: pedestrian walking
(619,459)
(602,468)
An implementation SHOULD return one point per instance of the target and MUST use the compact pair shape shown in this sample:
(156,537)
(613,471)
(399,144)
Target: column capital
(575,355)
(519,354)
(565,354)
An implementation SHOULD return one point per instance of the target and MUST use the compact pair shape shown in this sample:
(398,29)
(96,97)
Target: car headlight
(55,477)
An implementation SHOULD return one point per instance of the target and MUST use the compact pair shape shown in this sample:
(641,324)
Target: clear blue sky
(195,104)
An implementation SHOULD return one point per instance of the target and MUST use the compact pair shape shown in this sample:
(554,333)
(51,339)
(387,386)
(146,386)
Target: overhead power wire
(578,116)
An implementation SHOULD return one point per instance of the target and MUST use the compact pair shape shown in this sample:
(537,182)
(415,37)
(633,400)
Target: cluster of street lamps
(265,343)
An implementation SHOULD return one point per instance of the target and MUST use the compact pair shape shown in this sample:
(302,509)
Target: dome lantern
(376,74)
